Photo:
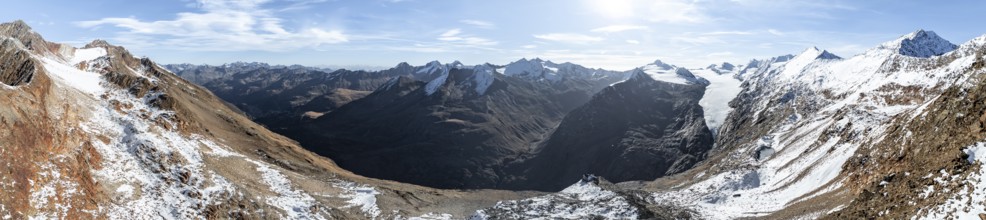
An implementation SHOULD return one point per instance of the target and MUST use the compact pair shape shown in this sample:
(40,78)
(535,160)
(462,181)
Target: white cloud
(675,11)
(451,33)
(455,36)
(569,38)
(619,28)
(478,23)
(223,25)
(529,46)
(663,11)
(775,32)
(714,33)
(633,42)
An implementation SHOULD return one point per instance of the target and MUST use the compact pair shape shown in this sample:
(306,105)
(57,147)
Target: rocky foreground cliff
(98,133)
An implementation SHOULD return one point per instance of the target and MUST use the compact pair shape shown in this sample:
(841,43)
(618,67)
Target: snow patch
(296,203)
(582,200)
(87,54)
(362,196)
(87,82)
(970,202)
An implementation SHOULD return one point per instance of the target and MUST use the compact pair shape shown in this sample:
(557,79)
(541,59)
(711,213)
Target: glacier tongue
(715,103)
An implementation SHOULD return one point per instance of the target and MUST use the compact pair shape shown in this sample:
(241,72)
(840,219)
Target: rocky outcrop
(16,68)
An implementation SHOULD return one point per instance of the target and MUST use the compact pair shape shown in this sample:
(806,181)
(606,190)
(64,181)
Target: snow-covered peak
(432,68)
(724,68)
(661,71)
(920,43)
(814,53)
(533,68)
(727,66)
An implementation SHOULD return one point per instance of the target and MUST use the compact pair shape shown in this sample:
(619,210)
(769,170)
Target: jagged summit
(726,66)
(920,43)
(22,32)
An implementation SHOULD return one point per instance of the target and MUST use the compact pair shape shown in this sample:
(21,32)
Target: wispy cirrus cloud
(456,36)
(619,28)
(570,38)
(478,23)
(222,25)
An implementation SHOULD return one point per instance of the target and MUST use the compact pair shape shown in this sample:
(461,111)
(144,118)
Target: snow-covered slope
(544,70)
(801,119)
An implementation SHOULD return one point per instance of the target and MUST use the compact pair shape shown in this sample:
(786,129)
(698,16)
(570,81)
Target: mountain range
(95,132)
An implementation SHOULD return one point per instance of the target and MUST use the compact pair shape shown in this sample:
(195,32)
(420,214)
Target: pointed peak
(811,51)
(920,43)
(403,64)
(815,53)
(16,26)
(662,65)
(21,31)
(825,54)
(639,74)
(727,66)
(98,43)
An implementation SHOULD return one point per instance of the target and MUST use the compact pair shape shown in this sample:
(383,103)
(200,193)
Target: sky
(611,34)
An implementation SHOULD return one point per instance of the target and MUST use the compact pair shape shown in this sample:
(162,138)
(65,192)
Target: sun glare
(612,8)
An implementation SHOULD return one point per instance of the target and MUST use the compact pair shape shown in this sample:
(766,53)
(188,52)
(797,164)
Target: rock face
(17,67)
(639,129)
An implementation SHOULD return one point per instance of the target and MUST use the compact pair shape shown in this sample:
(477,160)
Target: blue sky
(612,34)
